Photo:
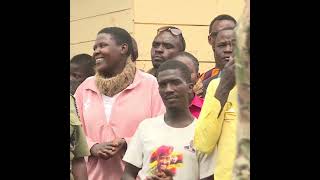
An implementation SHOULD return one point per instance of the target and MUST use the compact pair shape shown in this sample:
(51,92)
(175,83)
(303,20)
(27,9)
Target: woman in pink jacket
(112,103)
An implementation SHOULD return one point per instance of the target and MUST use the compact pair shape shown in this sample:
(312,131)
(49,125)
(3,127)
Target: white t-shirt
(108,103)
(156,145)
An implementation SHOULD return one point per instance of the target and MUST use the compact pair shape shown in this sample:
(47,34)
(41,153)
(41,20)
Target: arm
(130,172)
(79,169)
(227,83)
(209,124)
(133,156)
(227,143)
(79,103)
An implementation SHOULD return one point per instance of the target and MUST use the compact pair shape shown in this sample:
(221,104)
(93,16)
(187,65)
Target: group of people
(170,122)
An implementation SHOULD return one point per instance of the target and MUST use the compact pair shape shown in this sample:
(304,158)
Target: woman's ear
(124,48)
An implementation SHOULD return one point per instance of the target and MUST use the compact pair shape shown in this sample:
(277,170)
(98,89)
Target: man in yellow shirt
(216,127)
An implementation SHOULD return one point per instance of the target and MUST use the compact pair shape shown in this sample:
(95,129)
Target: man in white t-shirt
(162,147)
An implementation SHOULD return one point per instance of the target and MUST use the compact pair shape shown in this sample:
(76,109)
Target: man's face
(173,89)
(224,47)
(188,62)
(164,46)
(77,76)
(218,26)
(163,162)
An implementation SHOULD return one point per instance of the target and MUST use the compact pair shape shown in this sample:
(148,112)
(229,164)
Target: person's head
(135,53)
(175,86)
(192,63)
(224,47)
(81,67)
(163,157)
(167,43)
(112,47)
(217,24)
(164,161)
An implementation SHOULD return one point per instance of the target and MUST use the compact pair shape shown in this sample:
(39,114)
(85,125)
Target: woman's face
(107,53)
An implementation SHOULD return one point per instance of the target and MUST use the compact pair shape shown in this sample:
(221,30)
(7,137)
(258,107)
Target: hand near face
(198,89)
(227,82)
(228,78)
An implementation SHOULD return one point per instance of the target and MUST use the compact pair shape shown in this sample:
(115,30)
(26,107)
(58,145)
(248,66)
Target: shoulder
(149,122)
(152,71)
(88,81)
(144,75)
(146,81)
(214,84)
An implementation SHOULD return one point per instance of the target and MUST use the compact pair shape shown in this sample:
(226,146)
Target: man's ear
(211,40)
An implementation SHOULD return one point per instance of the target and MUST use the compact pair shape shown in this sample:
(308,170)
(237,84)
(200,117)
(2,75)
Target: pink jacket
(138,101)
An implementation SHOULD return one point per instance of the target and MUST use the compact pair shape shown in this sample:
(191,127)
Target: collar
(197,101)
(137,79)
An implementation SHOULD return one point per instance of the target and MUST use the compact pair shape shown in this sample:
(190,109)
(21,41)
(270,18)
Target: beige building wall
(141,18)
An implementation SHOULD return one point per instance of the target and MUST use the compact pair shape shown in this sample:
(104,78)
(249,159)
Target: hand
(227,82)
(107,150)
(228,77)
(198,89)
(165,175)
(154,177)
(120,145)
(103,150)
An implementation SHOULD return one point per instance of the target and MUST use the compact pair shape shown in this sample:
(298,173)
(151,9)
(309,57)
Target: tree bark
(242,162)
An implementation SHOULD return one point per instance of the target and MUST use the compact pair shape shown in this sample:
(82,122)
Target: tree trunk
(242,162)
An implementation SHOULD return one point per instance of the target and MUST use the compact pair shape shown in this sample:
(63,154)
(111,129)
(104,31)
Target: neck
(219,66)
(117,70)
(178,118)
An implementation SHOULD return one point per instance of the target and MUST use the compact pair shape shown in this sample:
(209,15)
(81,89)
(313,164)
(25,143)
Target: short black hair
(181,38)
(84,61)
(221,17)
(134,54)
(121,36)
(177,65)
(193,59)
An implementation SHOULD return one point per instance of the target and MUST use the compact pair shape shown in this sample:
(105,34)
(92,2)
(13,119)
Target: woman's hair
(120,35)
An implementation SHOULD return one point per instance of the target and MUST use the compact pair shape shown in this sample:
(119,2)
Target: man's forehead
(170,74)
(166,37)
(74,66)
(226,34)
(77,67)
(221,24)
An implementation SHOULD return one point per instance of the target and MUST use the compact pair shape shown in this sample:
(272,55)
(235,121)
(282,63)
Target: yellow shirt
(218,132)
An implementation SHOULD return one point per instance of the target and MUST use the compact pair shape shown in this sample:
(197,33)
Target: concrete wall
(141,18)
